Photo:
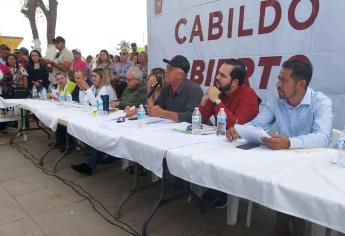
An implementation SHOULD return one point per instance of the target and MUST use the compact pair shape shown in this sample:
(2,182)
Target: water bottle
(69,98)
(341,150)
(85,102)
(196,121)
(39,94)
(53,91)
(221,122)
(62,97)
(141,114)
(34,92)
(99,104)
(44,94)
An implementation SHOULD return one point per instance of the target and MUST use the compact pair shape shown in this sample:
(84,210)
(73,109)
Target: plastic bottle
(44,94)
(141,114)
(62,97)
(196,121)
(99,106)
(341,150)
(85,102)
(69,98)
(221,122)
(52,91)
(34,92)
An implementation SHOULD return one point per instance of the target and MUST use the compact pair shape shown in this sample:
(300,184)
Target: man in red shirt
(239,101)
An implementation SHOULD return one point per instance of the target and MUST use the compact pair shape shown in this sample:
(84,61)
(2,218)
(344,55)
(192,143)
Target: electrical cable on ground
(78,190)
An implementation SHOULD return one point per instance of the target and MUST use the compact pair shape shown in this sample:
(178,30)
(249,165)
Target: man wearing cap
(4,52)
(62,61)
(179,97)
(78,63)
(134,49)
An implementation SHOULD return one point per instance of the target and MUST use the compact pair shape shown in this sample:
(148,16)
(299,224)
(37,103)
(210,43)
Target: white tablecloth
(146,146)
(47,112)
(302,183)
(298,182)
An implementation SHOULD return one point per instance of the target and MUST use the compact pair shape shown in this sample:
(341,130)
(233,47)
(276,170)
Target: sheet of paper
(116,115)
(251,133)
(152,120)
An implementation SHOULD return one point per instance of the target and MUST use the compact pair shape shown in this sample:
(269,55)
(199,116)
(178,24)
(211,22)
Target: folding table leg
(134,186)
(159,201)
(41,128)
(232,210)
(62,156)
(47,152)
(20,129)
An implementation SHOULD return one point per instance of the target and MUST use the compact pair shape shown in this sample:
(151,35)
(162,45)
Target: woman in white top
(101,86)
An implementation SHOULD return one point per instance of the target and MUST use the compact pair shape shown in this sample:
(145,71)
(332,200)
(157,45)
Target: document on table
(251,133)
(153,120)
(115,115)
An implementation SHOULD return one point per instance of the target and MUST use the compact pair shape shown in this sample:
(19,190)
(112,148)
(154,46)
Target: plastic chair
(318,230)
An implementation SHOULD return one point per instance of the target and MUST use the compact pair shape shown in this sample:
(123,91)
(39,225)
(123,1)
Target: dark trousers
(282,225)
(60,136)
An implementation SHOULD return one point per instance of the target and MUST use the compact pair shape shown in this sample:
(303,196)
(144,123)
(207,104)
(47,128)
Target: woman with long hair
(104,61)
(38,76)
(101,86)
(20,76)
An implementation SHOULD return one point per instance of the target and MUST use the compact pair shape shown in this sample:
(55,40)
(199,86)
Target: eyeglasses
(123,54)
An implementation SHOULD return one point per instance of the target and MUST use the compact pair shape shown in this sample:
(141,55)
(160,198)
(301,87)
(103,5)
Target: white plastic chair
(232,211)
(318,230)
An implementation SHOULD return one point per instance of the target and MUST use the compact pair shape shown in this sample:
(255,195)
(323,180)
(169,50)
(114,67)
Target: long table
(302,182)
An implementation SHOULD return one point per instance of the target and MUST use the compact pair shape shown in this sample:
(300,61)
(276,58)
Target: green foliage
(123,45)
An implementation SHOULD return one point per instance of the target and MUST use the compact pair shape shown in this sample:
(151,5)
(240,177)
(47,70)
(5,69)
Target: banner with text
(263,34)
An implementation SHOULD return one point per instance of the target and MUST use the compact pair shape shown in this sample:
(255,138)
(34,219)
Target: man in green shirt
(64,85)
(135,92)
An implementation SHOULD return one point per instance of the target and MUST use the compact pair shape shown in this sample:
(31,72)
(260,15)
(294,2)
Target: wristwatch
(217,101)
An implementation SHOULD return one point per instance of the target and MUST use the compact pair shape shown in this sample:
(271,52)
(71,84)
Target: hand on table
(277,142)
(232,134)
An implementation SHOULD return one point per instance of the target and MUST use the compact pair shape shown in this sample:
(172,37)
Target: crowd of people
(303,117)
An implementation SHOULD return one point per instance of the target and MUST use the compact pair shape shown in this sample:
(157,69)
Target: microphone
(159,82)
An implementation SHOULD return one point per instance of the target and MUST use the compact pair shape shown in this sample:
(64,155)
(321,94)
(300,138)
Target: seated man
(239,101)
(240,104)
(79,92)
(179,97)
(303,118)
(65,85)
(135,93)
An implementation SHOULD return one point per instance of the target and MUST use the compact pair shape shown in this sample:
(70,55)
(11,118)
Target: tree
(33,8)
(123,45)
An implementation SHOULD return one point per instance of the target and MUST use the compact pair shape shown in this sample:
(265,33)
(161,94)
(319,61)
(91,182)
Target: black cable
(81,192)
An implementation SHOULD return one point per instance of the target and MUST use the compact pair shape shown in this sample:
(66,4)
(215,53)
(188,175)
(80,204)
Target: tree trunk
(30,13)
(51,20)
